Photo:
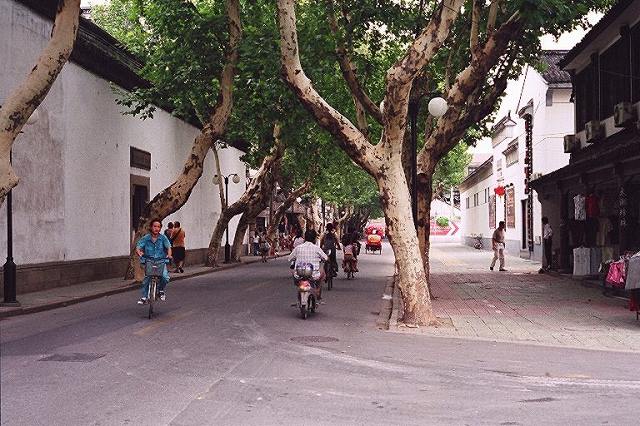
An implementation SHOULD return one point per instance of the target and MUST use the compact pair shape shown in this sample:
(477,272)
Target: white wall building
(85,167)
(545,96)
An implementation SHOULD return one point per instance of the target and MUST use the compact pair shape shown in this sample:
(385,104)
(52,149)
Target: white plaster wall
(475,220)
(550,124)
(73,201)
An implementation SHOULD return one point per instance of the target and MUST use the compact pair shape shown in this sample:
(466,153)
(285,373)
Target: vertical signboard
(492,211)
(510,201)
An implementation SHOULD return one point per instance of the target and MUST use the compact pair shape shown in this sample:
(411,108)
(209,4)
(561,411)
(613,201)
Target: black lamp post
(9,268)
(437,108)
(236,179)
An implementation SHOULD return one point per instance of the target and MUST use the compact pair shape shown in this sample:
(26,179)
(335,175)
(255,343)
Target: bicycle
(329,271)
(153,268)
(478,244)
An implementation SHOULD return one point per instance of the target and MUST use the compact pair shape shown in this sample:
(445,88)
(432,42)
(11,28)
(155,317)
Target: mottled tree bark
(23,101)
(172,198)
(255,196)
(468,105)
(272,229)
(383,161)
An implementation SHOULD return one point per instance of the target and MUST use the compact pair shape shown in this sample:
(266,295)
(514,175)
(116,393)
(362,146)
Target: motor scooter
(306,288)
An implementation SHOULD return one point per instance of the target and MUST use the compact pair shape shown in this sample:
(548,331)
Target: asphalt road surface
(229,349)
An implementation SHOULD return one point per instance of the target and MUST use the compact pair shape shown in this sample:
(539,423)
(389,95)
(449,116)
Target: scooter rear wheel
(303,312)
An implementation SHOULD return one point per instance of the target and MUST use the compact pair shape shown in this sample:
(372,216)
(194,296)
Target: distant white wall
(550,124)
(73,200)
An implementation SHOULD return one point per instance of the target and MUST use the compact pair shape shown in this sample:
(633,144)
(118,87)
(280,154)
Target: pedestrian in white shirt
(547,234)
(498,245)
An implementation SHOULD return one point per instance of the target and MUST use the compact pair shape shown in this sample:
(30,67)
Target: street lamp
(9,268)
(437,107)
(216,181)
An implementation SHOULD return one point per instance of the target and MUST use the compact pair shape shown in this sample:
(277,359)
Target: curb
(132,285)
(386,305)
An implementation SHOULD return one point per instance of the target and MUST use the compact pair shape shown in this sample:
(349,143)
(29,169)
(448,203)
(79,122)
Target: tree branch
(348,68)
(350,139)
(400,77)
(25,98)
(493,15)
(464,108)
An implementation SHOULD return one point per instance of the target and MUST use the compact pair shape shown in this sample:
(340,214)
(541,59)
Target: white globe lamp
(236,179)
(298,200)
(437,107)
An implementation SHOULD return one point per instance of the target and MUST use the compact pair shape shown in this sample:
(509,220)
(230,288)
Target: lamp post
(437,107)
(216,181)
(9,268)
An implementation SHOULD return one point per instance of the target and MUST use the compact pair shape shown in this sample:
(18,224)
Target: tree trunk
(238,238)
(424,221)
(384,160)
(172,198)
(411,279)
(254,197)
(23,101)
(286,205)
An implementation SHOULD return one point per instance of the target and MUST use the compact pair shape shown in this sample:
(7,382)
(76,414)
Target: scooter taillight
(304,286)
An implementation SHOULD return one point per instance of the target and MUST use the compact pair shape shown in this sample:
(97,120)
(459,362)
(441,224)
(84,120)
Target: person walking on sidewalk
(497,242)
(177,240)
(154,246)
(547,234)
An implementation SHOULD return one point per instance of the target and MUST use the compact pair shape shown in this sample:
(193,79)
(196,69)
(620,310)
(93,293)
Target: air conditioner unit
(594,131)
(571,143)
(624,115)
(536,175)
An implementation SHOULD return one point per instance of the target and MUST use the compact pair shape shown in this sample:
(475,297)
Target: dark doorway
(139,200)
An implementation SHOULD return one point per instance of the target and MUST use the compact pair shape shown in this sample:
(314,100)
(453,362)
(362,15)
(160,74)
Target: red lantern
(499,190)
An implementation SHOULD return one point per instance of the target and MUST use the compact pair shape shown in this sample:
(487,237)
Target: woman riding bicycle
(154,246)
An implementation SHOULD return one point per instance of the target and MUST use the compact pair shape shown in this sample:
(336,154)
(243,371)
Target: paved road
(226,351)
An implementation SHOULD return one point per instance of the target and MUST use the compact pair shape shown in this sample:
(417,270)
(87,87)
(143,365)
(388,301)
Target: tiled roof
(553,74)
(616,10)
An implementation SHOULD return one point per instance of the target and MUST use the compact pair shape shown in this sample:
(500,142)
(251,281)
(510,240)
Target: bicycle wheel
(152,295)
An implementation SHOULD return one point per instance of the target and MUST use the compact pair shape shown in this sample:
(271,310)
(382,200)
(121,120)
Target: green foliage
(450,170)
(442,221)
(183,44)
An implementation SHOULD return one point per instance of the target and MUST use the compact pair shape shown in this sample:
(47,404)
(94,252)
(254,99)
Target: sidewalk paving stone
(521,305)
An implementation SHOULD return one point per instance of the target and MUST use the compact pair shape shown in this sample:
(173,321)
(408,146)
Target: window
(585,98)
(467,203)
(486,195)
(614,77)
(549,97)
(475,199)
(511,157)
(139,159)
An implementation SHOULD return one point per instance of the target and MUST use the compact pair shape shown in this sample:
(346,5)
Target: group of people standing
(175,233)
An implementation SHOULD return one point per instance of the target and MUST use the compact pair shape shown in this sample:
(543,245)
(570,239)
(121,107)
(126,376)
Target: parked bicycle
(478,244)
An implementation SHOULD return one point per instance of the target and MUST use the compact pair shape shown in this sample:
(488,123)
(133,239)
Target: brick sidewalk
(521,305)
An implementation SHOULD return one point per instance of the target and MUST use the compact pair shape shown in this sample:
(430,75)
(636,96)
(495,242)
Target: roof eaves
(613,13)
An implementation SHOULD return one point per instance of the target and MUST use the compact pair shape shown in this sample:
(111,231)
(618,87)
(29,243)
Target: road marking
(157,323)
(254,287)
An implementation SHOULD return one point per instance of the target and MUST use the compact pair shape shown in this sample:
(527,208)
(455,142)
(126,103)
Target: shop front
(593,205)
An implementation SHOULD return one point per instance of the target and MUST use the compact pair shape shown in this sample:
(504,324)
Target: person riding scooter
(309,253)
